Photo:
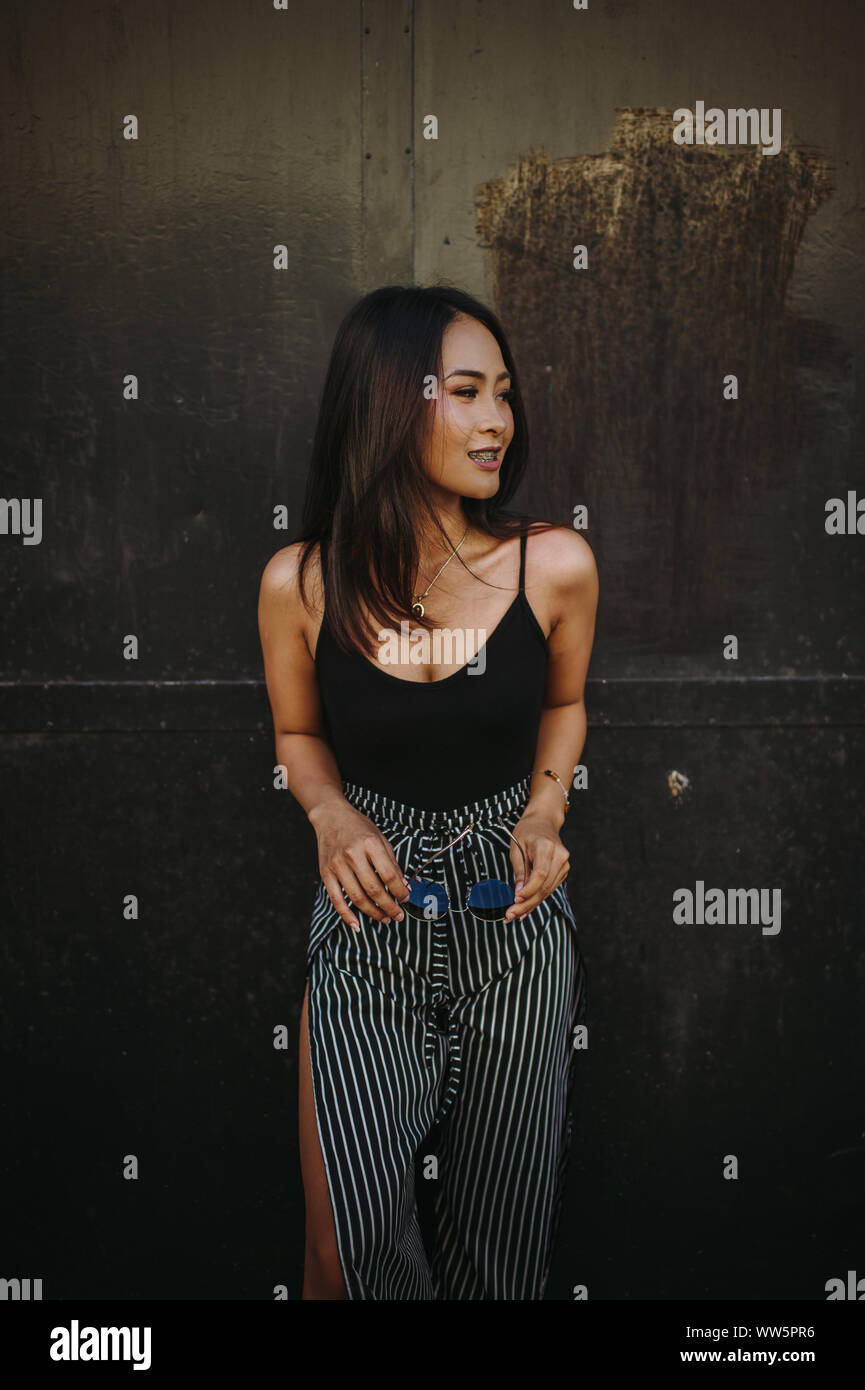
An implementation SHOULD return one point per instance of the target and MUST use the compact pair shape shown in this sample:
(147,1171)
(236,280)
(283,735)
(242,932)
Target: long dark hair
(367,488)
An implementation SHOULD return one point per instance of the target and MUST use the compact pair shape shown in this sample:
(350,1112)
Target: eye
(472,391)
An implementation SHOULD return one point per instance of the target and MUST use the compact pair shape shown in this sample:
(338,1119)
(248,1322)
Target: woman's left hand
(548,863)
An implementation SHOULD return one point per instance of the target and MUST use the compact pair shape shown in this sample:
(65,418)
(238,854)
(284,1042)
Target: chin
(480,486)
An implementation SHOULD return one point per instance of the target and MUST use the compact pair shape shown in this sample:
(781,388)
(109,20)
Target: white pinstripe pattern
(459,1027)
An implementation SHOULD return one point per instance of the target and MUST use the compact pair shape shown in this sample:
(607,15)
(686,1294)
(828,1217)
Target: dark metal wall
(154,257)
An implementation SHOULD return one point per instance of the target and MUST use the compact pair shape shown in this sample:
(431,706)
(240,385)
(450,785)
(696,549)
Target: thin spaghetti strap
(522,561)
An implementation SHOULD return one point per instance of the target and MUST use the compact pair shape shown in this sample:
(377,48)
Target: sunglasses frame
(467,887)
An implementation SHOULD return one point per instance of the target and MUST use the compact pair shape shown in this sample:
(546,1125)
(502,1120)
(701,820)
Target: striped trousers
(443,1054)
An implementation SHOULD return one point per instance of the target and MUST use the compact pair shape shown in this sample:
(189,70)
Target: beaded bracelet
(549,773)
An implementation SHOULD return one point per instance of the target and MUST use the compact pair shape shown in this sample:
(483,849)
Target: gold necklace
(417,599)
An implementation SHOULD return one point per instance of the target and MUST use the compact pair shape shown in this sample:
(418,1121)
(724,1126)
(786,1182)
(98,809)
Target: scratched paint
(690,251)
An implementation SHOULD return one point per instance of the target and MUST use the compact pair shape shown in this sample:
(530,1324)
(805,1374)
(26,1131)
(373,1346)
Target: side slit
(312,1033)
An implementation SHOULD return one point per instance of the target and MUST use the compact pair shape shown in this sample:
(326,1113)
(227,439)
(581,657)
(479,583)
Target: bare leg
(322,1272)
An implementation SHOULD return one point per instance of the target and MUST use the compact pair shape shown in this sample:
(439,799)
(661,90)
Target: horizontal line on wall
(625,702)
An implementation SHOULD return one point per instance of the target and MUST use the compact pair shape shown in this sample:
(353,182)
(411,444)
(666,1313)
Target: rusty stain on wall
(690,256)
(677,785)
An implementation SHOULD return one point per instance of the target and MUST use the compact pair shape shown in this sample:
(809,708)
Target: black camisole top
(438,745)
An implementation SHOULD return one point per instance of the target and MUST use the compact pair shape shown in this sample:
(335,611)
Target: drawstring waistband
(503,803)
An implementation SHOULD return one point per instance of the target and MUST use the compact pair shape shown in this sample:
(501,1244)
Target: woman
(426,653)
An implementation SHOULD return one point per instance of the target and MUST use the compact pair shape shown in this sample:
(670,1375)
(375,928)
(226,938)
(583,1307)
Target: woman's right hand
(354,855)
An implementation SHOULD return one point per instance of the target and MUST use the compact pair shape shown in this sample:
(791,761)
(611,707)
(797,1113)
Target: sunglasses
(487,899)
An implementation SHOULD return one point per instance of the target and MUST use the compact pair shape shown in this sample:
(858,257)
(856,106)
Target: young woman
(426,653)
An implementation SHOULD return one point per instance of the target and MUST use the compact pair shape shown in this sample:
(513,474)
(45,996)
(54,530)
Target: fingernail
(399,916)
(355,925)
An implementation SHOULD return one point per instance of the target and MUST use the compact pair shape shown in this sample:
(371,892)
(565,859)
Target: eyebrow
(469,371)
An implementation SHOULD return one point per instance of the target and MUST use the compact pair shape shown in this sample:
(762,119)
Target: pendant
(417,608)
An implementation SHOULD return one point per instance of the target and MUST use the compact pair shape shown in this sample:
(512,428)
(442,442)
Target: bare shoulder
(280,580)
(564,561)
(287,619)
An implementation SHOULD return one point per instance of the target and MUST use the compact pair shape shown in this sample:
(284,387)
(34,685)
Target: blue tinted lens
(428,900)
(490,899)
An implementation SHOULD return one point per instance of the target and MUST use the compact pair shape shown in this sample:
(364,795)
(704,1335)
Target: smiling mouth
(484,455)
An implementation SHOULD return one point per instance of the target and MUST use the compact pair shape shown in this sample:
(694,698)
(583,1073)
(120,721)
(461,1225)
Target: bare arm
(570,566)
(354,857)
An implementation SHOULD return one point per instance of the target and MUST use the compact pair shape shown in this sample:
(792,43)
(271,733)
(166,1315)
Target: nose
(495,418)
